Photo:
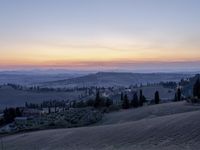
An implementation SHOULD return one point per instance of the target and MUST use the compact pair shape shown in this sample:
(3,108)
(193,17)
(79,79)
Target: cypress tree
(141,100)
(125,104)
(98,101)
(134,102)
(175,97)
(179,94)
(157,97)
(196,89)
(122,96)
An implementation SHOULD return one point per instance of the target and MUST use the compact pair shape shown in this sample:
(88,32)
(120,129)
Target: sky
(133,35)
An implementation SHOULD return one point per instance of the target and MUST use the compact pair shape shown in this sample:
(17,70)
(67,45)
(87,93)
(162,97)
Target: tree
(134,102)
(122,96)
(98,101)
(157,97)
(18,112)
(49,106)
(141,99)
(179,94)
(108,102)
(11,113)
(196,89)
(125,104)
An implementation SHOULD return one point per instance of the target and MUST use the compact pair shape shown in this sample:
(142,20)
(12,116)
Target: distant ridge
(106,79)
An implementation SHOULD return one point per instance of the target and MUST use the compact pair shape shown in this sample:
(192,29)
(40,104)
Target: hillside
(10,97)
(107,79)
(155,130)
(147,112)
(30,78)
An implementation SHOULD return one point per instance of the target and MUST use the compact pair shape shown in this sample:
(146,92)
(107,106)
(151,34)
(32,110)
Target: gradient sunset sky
(100,34)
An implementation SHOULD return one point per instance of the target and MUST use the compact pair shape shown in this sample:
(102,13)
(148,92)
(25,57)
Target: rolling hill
(29,78)
(172,126)
(10,97)
(108,79)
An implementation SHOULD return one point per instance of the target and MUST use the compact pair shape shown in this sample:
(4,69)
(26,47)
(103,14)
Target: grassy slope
(147,112)
(146,128)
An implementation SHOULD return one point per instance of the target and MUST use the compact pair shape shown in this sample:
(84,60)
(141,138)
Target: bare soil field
(173,126)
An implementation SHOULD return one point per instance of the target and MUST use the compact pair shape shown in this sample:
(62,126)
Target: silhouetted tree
(196,89)
(98,100)
(157,97)
(10,114)
(122,96)
(134,102)
(109,102)
(178,94)
(141,99)
(18,112)
(125,104)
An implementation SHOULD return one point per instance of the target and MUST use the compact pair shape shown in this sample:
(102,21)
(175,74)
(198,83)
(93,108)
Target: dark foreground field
(172,126)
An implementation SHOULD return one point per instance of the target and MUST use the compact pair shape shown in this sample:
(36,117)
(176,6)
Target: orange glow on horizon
(106,53)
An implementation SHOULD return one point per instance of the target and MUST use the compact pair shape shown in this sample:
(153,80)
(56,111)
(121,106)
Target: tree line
(137,101)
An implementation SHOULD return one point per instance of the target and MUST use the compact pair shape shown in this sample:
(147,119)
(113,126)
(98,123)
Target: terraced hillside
(170,126)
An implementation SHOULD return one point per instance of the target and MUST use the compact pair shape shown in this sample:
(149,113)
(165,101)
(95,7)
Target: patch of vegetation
(9,115)
(74,117)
